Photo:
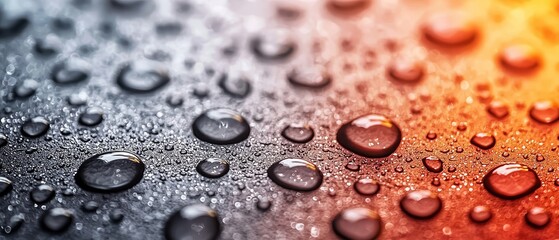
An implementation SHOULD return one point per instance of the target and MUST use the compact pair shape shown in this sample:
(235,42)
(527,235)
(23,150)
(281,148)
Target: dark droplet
(366,186)
(357,223)
(110,172)
(213,167)
(519,57)
(421,204)
(511,181)
(142,77)
(483,140)
(310,77)
(538,217)
(91,117)
(295,174)
(57,220)
(26,88)
(14,223)
(273,46)
(71,71)
(405,70)
(11,26)
(35,127)
(546,112)
(235,87)
(42,194)
(221,126)
(433,164)
(498,109)
(371,135)
(193,222)
(298,133)
(480,214)
(90,206)
(6,186)
(347,7)
(450,29)
(3,140)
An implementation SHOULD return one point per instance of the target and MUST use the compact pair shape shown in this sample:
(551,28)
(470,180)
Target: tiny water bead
(142,77)
(357,224)
(450,29)
(57,220)
(538,217)
(71,71)
(309,77)
(298,133)
(213,167)
(421,204)
(35,127)
(273,46)
(546,112)
(511,181)
(498,109)
(480,214)
(6,186)
(405,70)
(519,57)
(42,194)
(483,141)
(366,186)
(372,135)
(296,174)
(193,222)
(3,140)
(221,126)
(110,172)
(433,164)
(91,117)
(26,88)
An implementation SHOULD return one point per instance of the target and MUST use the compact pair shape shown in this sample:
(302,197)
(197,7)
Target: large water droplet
(91,117)
(519,57)
(193,222)
(421,204)
(6,186)
(450,29)
(26,88)
(142,77)
(357,223)
(57,220)
(298,133)
(295,174)
(221,126)
(366,186)
(12,25)
(35,127)
(538,217)
(371,135)
(544,112)
(236,87)
(511,181)
(110,172)
(273,46)
(498,109)
(405,70)
(433,164)
(483,140)
(42,194)
(480,214)
(213,167)
(71,71)
(310,77)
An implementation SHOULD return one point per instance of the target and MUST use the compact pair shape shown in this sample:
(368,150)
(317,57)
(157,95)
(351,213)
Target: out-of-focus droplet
(42,194)
(91,117)
(35,127)
(498,109)
(298,133)
(310,77)
(421,204)
(295,174)
(12,25)
(221,126)
(371,135)
(433,164)
(26,88)
(538,217)
(213,167)
(519,57)
(77,99)
(142,77)
(480,214)
(193,222)
(431,135)
(357,223)
(483,141)
(90,206)
(405,70)
(6,186)
(511,181)
(48,46)
(366,186)
(450,29)
(71,71)
(544,112)
(57,220)
(235,87)
(273,46)
(347,7)
(14,223)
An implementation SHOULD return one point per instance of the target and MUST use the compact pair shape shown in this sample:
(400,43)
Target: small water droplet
(91,117)
(519,57)
(42,194)
(310,77)
(71,71)
(480,214)
(450,29)
(12,25)
(116,216)
(90,206)
(193,222)
(298,133)
(511,181)
(544,112)
(263,204)
(26,88)
(538,217)
(14,223)
(366,186)
(48,46)
(357,223)
(405,70)
(273,46)
(498,109)
(421,204)
(371,135)
(3,140)
(483,140)
(221,126)
(433,164)
(431,135)
(6,186)
(174,100)
(213,167)
(347,7)
(238,87)
(57,220)
(142,77)
(77,99)
(295,174)
(35,127)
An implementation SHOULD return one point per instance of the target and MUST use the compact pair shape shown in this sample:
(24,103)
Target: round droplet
(57,220)
(483,140)
(193,222)
(110,172)
(235,87)
(213,167)
(519,57)
(6,186)
(127,5)
(295,174)
(174,100)
(421,204)
(116,216)
(405,70)
(12,25)
(221,126)
(347,7)
(91,117)
(298,133)
(3,140)
(35,127)
(511,181)
(90,206)
(42,194)
(48,46)
(77,99)
(498,109)
(26,88)
(450,29)
(544,112)
(431,135)
(71,71)
(142,77)
(371,135)
(538,217)
(14,223)
(366,186)
(480,214)
(433,164)
(273,46)
(263,204)
(357,223)
(310,77)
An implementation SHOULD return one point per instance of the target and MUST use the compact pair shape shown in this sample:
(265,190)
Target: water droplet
(77,99)
(6,186)
(57,220)
(116,216)
(90,206)
(174,100)
(538,217)
(433,164)
(405,70)
(544,112)
(193,222)
(3,140)
(71,71)
(42,194)
(110,172)
(26,88)
(298,133)
(273,46)
(48,46)
(238,87)
(366,186)
(295,174)
(498,109)
(462,126)
(347,7)
(431,135)
(263,204)
(35,127)
(450,29)
(213,167)
(14,223)
(421,204)
(310,77)
(511,181)
(480,214)
(11,26)
(221,126)
(483,140)
(357,223)
(519,57)
(371,135)
(540,157)
(91,117)
(142,77)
